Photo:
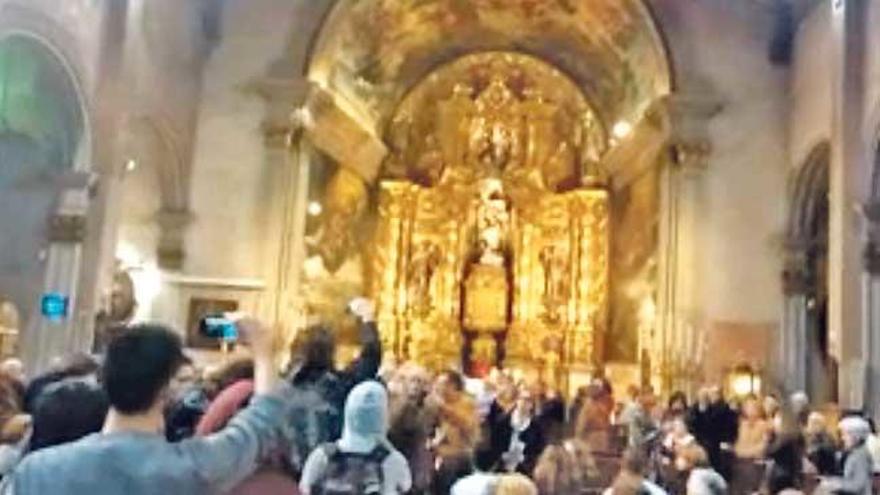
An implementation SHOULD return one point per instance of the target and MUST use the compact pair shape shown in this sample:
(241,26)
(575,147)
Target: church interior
(664,192)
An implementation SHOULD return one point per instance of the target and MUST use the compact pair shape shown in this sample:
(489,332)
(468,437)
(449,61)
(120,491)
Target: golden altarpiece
(492,238)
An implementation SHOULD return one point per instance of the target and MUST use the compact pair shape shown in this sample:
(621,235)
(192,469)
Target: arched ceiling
(372,52)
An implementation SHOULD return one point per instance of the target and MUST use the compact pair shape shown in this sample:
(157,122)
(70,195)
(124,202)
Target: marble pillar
(848,190)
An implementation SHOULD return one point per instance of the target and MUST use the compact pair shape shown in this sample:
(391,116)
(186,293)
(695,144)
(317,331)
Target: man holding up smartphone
(131,455)
(316,413)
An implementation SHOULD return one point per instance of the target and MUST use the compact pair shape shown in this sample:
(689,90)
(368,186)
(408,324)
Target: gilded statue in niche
(423,266)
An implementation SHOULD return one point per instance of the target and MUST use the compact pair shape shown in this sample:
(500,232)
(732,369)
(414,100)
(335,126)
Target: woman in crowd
(593,424)
(821,448)
(785,453)
(751,440)
(457,432)
(556,472)
(750,447)
(632,477)
(520,440)
(676,408)
(410,424)
(676,440)
(859,467)
(702,479)
(515,484)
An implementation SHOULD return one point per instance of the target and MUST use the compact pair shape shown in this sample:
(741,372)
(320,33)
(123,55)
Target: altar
(491,243)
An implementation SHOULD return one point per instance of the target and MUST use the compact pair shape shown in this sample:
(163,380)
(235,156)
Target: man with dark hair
(131,456)
(316,413)
(66,411)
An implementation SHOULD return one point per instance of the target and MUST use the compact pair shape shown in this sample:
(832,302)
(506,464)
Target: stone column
(289,168)
(849,185)
(798,286)
(872,300)
(47,339)
(290,304)
(682,199)
(99,244)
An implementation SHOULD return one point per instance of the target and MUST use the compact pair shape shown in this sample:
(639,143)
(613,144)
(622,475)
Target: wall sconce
(743,381)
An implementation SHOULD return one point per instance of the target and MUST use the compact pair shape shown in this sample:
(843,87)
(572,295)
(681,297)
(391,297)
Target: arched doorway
(806,276)
(42,136)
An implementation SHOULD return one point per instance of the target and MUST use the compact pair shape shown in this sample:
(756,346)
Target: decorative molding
(797,278)
(685,118)
(67,228)
(282,97)
(172,224)
(238,284)
(335,131)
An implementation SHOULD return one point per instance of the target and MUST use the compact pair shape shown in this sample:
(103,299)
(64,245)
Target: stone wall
(720,50)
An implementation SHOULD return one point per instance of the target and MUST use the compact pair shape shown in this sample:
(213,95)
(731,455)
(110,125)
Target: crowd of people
(141,419)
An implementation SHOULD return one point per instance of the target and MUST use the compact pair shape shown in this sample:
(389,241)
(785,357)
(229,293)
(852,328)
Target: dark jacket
(532,437)
(822,453)
(786,453)
(316,409)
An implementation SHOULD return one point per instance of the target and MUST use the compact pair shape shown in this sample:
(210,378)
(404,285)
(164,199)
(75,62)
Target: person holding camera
(320,389)
(131,454)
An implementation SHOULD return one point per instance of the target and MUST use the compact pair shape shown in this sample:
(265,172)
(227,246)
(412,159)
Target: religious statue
(554,282)
(421,273)
(494,132)
(493,221)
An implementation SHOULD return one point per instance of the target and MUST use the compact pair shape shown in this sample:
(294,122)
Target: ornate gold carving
(484,234)
(486,297)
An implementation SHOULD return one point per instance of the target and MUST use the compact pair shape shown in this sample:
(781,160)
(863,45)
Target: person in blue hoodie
(363,461)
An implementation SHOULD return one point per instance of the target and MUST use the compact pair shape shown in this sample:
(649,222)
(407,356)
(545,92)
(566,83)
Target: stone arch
(577,37)
(809,191)
(22,21)
(805,279)
(46,136)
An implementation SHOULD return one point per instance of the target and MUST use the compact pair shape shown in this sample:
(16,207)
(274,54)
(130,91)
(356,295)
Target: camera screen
(216,327)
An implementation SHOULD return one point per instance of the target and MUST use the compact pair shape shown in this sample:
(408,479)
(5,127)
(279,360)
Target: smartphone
(218,327)
(54,306)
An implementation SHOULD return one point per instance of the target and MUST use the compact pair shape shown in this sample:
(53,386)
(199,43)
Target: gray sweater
(144,464)
(857,474)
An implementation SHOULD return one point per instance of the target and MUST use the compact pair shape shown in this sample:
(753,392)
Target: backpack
(314,417)
(349,473)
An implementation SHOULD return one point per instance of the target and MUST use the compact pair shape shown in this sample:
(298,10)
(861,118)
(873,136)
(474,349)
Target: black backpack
(349,473)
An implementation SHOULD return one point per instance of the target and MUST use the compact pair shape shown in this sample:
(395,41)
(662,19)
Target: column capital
(685,118)
(67,228)
(797,276)
(283,96)
(172,227)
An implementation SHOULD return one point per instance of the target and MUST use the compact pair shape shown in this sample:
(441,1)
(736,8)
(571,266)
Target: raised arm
(227,457)
(367,364)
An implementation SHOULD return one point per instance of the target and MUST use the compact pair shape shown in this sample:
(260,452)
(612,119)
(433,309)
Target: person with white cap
(363,461)
(858,468)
